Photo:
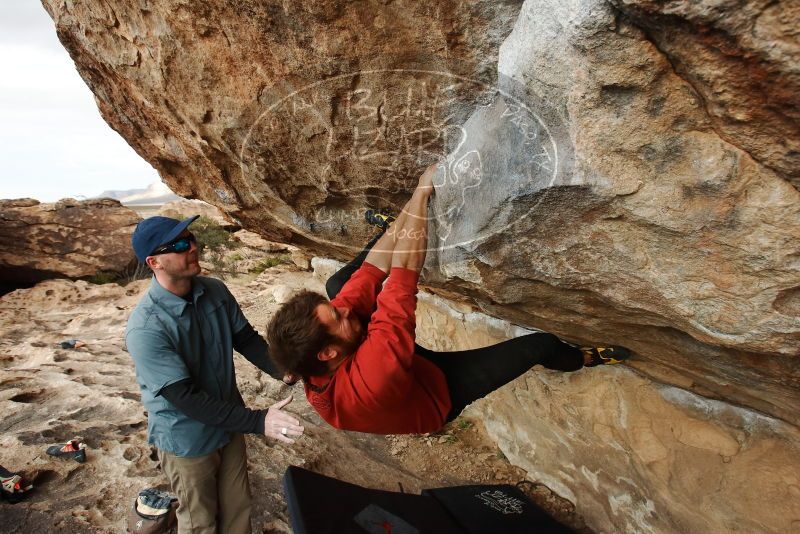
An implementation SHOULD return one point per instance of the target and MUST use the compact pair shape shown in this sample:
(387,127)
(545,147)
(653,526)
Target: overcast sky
(53,142)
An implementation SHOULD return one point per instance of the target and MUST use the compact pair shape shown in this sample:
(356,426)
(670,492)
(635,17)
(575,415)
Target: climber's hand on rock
(425,185)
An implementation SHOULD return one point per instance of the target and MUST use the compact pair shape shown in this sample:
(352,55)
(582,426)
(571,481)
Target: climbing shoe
(379,218)
(74,449)
(605,355)
(12,487)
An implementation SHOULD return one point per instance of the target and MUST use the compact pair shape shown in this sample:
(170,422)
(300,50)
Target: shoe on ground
(378,218)
(606,355)
(74,449)
(12,487)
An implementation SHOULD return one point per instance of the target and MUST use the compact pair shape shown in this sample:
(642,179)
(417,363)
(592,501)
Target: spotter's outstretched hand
(279,424)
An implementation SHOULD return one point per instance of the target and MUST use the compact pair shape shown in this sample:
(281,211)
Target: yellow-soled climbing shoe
(379,218)
(605,355)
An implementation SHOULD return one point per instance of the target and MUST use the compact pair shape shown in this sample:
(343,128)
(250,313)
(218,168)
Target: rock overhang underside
(614,172)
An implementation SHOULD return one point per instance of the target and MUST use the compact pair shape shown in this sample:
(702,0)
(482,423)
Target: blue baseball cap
(153,232)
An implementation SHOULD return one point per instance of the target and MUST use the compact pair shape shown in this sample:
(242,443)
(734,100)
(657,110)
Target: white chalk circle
(493,147)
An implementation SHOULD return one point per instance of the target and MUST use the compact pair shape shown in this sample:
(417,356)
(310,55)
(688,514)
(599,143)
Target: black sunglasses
(182,244)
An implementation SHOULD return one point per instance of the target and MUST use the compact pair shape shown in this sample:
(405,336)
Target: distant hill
(156,193)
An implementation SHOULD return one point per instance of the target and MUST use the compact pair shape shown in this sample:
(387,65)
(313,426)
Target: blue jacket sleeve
(157,362)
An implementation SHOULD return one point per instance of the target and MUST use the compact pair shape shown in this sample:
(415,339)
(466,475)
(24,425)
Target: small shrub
(464,424)
(270,262)
(134,271)
(218,265)
(213,241)
(102,278)
(211,236)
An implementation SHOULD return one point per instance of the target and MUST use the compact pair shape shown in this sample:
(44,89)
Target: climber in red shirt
(357,354)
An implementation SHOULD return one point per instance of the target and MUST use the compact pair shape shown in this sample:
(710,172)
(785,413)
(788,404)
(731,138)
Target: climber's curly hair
(296,335)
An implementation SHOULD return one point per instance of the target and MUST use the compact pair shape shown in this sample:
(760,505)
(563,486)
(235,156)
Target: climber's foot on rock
(593,356)
(379,218)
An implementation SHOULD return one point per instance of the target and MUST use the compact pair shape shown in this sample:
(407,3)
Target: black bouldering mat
(324,505)
(321,505)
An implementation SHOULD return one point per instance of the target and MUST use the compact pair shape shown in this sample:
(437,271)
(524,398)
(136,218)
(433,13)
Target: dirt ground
(49,395)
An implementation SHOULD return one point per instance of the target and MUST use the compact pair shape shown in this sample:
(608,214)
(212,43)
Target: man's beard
(348,347)
(187,271)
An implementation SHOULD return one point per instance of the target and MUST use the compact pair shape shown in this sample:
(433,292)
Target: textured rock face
(197,89)
(636,456)
(742,58)
(68,238)
(631,454)
(665,227)
(179,209)
(633,180)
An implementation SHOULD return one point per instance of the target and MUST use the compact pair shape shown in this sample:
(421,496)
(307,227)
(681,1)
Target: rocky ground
(49,395)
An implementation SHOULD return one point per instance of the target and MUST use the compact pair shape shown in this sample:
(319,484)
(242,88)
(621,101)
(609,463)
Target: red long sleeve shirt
(384,387)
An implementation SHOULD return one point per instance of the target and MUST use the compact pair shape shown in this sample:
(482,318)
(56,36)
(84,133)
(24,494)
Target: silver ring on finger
(284,431)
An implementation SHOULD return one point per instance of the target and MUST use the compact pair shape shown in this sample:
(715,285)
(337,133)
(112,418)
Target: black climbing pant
(473,374)
(340,277)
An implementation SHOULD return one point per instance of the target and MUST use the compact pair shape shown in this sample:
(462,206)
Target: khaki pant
(213,490)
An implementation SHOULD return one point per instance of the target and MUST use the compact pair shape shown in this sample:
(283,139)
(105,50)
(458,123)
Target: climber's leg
(473,374)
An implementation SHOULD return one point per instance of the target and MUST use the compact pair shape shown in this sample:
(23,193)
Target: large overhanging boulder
(65,239)
(669,222)
(617,172)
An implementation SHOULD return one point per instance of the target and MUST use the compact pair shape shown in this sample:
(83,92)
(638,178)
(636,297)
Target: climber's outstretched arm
(411,238)
(381,253)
